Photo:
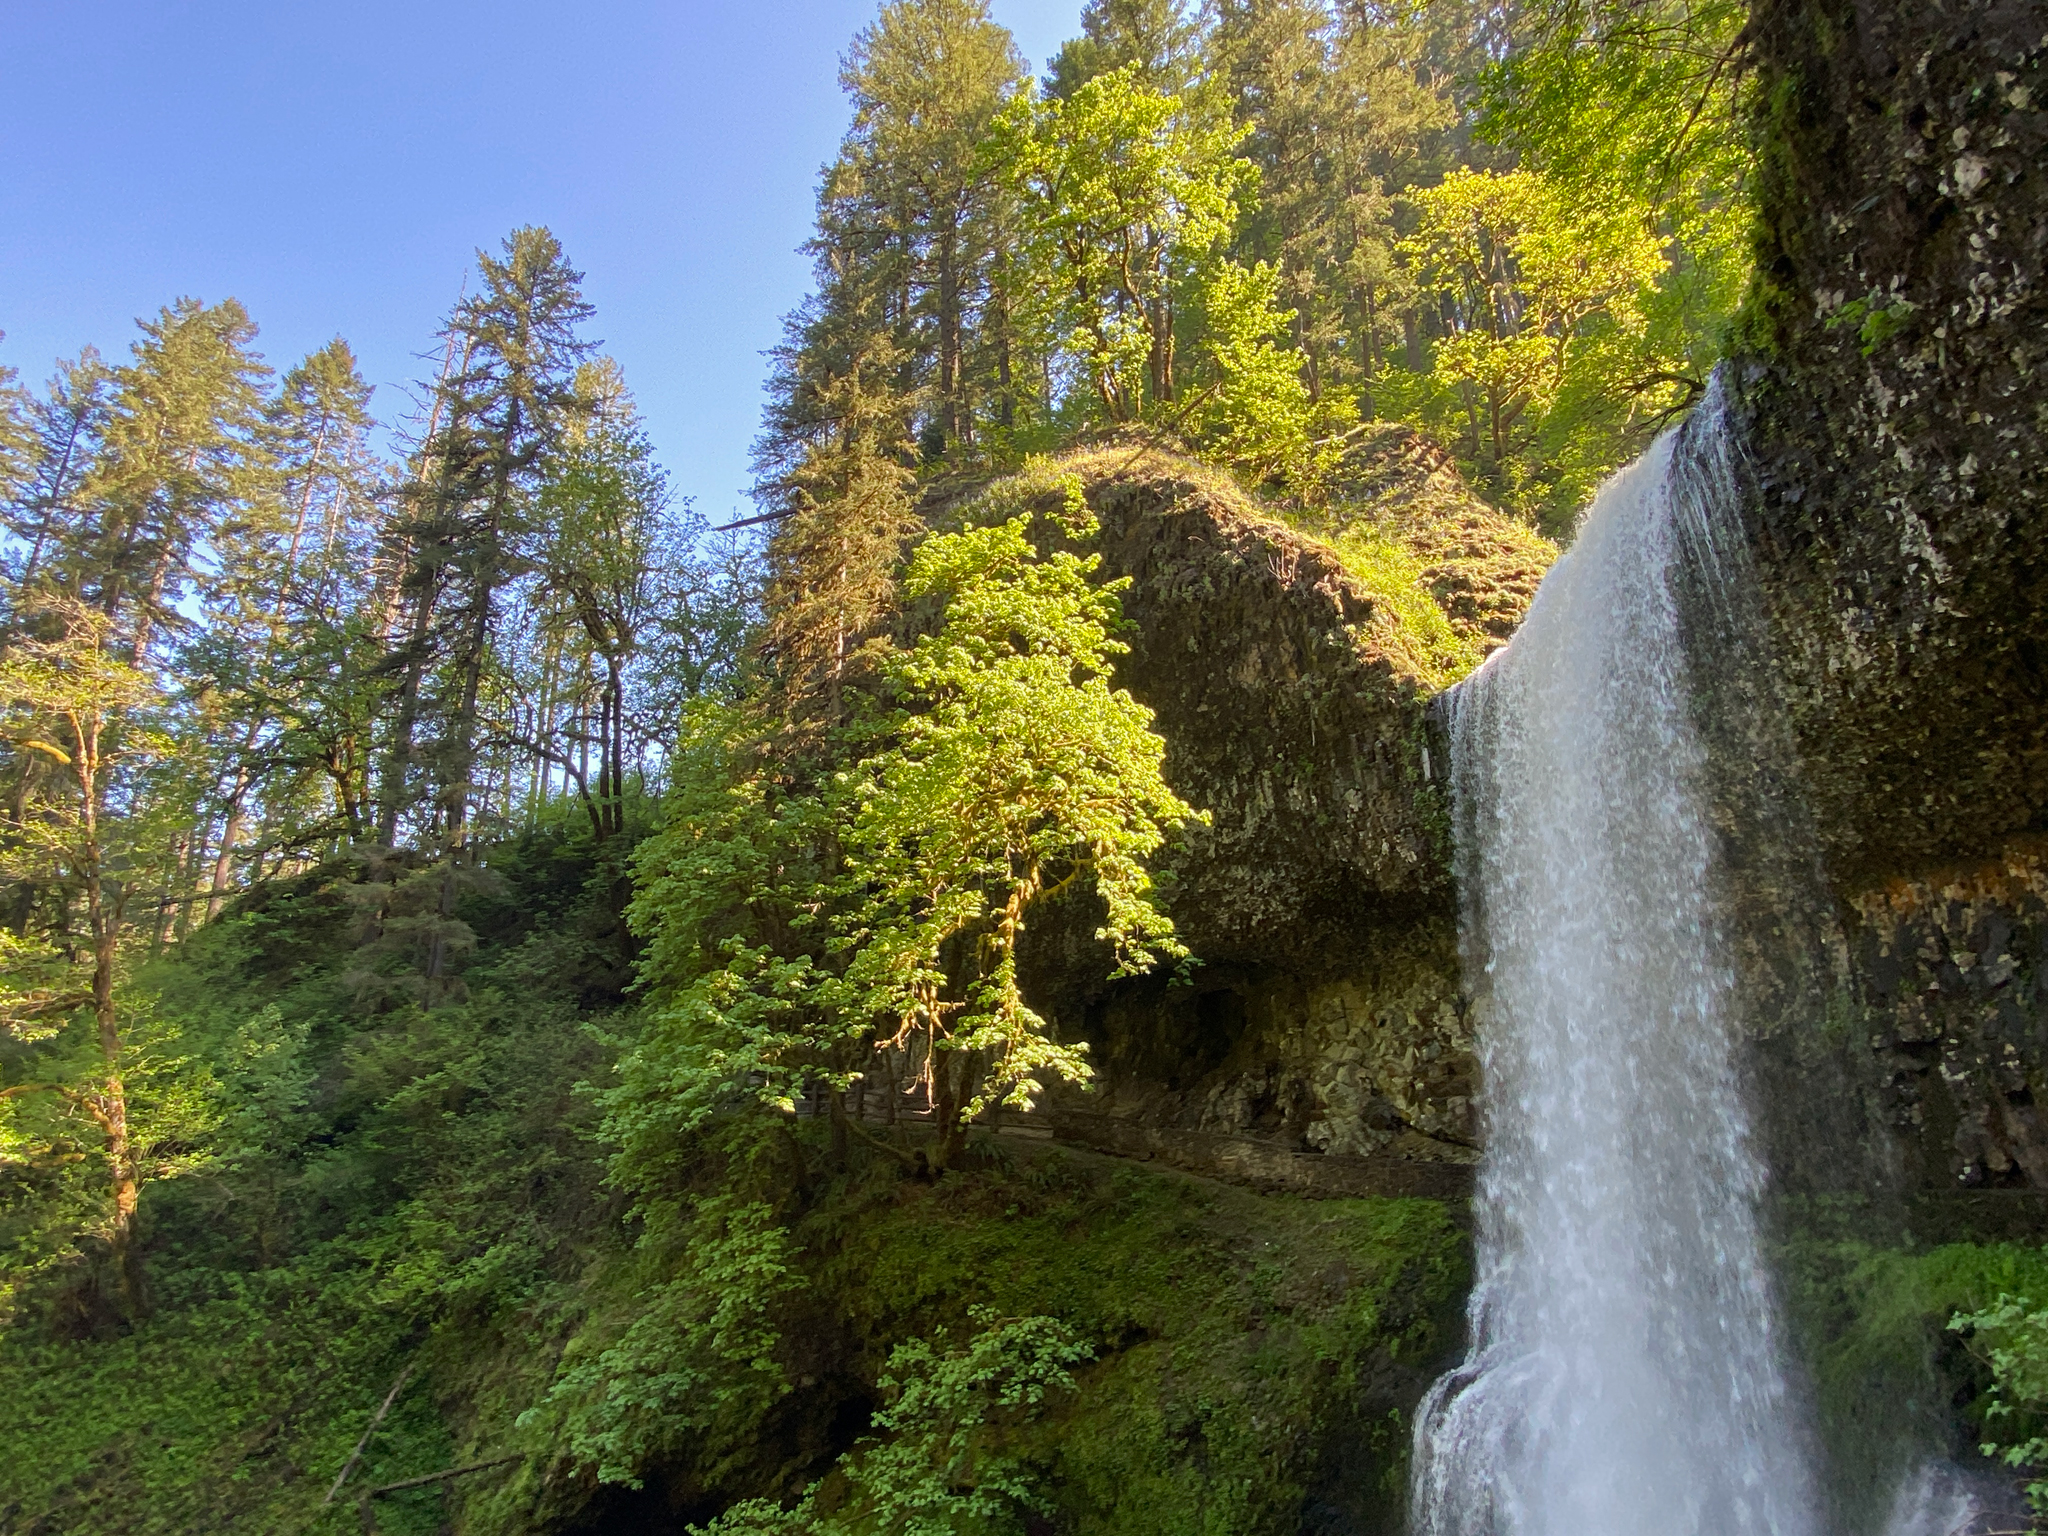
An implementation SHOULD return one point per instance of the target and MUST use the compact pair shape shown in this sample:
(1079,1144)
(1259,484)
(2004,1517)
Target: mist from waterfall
(1624,1374)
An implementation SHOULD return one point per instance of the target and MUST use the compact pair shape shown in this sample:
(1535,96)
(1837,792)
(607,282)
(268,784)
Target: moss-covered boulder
(1289,666)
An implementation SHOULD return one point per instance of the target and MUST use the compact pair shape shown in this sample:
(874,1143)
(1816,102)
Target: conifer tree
(909,230)
(903,353)
(143,473)
(65,420)
(831,564)
(501,412)
(179,449)
(1345,114)
(272,559)
(17,434)
(926,79)
(1160,39)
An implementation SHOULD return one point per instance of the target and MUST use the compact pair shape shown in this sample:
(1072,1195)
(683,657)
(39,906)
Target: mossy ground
(1256,1355)
(1254,1358)
(230,1415)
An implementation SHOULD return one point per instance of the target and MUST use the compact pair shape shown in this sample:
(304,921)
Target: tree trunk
(111,1107)
(398,761)
(949,335)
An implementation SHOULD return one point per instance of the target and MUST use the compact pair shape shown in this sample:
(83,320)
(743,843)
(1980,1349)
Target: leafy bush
(938,1470)
(2011,1336)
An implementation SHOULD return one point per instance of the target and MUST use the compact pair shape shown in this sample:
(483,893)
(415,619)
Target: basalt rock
(1324,1018)
(1897,413)
(1892,410)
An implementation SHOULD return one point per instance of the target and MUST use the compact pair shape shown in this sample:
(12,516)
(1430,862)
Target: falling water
(1624,1376)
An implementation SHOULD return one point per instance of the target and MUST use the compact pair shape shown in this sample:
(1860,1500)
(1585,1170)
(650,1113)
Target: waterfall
(1623,1375)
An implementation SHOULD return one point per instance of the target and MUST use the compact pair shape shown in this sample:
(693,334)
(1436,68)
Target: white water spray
(1624,1373)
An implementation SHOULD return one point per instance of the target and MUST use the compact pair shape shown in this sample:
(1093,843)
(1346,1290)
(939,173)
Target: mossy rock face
(1290,706)
(1257,1357)
(1888,398)
(1325,1016)
(1373,1062)
(1480,564)
(1914,1080)
(1896,411)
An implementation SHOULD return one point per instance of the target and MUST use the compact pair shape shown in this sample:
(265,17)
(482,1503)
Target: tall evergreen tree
(831,565)
(1160,39)
(908,233)
(17,434)
(1345,115)
(502,410)
(270,561)
(926,79)
(904,353)
(179,449)
(66,420)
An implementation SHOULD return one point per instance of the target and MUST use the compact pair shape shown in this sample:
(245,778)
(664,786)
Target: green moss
(1874,320)
(1892,1382)
(231,1415)
(1397,581)
(1254,1353)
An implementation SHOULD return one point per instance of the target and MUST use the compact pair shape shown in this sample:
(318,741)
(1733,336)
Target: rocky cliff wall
(1322,1042)
(1892,408)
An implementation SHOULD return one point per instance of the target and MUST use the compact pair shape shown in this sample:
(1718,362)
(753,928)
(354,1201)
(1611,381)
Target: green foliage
(1348,109)
(721,897)
(230,1414)
(412,1186)
(2011,1336)
(1874,319)
(1545,292)
(55,1212)
(1890,1370)
(697,1356)
(797,929)
(1644,97)
(1634,112)
(1440,654)
(1260,415)
(1128,198)
(1158,39)
(934,1470)
(1017,773)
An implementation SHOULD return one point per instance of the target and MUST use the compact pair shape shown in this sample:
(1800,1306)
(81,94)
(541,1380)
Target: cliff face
(1897,413)
(1322,1042)
(1892,409)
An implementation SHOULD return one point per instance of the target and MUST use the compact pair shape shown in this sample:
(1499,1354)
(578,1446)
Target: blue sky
(335,166)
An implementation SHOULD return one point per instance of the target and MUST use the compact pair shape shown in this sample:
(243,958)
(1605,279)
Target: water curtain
(1624,1374)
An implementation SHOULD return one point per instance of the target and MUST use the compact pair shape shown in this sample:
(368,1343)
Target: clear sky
(334,166)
